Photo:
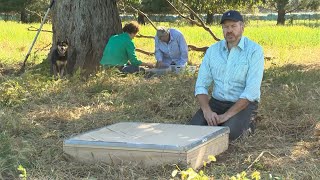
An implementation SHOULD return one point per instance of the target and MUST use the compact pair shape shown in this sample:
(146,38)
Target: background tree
(287,6)
(124,7)
(155,7)
(29,10)
(212,7)
(88,26)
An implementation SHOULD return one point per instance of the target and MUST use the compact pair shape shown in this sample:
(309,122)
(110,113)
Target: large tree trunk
(141,19)
(281,17)
(209,19)
(281,8)
(23,16)
(88,26)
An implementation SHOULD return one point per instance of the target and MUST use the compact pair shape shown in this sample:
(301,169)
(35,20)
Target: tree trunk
(209,19)
(281,17)
(281,8)
(192,17)
(23,16)
(141,19)
(87,25)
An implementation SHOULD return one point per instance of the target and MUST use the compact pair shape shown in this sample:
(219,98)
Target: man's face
(232,30)
(164,38)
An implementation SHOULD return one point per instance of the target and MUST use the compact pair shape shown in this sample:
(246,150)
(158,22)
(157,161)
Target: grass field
(37,112)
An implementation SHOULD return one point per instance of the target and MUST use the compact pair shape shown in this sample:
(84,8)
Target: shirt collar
(170,34)
(127,35)
(240,44)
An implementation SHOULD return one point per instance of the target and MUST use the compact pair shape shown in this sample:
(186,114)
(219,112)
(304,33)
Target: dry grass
(35,129)
(38,113)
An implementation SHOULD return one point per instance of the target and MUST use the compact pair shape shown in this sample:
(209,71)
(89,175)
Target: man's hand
(150,65)
(211,117)
(222,118)
(160,64)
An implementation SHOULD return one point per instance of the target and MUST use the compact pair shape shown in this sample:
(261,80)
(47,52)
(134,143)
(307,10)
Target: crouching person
(235,66)
(120,51)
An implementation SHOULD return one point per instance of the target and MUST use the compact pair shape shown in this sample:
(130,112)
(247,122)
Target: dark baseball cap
(231,15)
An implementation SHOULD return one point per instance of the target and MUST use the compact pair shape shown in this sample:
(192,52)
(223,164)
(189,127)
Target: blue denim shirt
(235,74)
(176,50)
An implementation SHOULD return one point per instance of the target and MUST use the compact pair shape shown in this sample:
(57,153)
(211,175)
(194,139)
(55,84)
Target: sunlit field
(37,112)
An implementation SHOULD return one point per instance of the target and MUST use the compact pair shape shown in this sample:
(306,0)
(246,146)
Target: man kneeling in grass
(235,66)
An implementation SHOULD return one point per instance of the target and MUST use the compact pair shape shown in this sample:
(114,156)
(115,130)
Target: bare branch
(140,12)
(144,52)
(32,28)
(190,47)
(41,49)
(202,23)
(298,7)
(195,48)
(34,12)
(258,158)
(183,16)
(143,36)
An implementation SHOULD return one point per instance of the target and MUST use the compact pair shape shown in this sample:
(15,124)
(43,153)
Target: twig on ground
(258,158)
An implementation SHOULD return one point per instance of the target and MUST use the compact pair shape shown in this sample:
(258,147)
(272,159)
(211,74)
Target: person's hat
(231,15)
(162,31)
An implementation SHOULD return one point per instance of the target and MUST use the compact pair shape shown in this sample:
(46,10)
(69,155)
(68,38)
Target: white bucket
(177,69)
(159,71)
(191,69)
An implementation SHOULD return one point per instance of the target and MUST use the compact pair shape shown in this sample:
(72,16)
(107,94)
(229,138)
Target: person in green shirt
(120,51)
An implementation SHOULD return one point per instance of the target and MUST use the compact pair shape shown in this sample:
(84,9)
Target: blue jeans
(238,124)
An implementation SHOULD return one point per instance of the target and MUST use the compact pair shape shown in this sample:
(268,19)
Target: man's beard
(230,36)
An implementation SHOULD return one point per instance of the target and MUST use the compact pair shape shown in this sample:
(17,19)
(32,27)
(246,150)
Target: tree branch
(34,12)
(143,36)
(32,28)
(183,16)
(144,52)
(195,48)
(295,9)
(201,24)
(258,158)
(140,12)
(190,48)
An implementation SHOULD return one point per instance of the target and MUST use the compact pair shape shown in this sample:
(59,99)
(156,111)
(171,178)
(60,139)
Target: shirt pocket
(239,73)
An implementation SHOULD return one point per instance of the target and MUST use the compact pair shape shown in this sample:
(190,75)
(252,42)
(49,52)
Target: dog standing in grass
(59,59)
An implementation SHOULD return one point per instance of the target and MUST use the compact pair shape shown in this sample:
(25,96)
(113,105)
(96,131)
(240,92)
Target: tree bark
(192,17)
(87,25)
(141,19)
(281,17)
(281,8)
(24,16)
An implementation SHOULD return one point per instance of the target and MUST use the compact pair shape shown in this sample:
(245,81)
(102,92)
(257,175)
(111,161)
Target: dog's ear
(66,41)
(58,42)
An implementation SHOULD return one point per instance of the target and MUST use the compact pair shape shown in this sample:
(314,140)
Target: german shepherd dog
(59,59)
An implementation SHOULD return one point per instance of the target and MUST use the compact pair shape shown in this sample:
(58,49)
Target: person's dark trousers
(131,69)
(128,69)
(238,124)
